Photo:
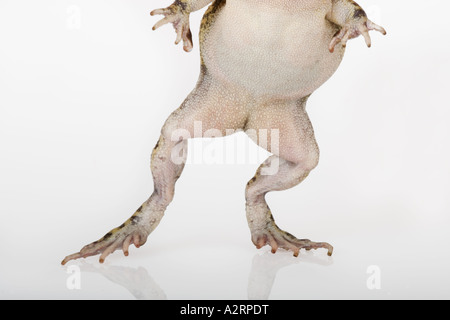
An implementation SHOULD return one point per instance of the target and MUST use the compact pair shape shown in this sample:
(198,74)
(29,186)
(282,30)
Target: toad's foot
(179,18)
(276,238)
(118,238)
(353,30)
(134,231)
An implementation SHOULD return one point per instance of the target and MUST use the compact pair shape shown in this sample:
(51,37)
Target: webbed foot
(276,238)
(134,231)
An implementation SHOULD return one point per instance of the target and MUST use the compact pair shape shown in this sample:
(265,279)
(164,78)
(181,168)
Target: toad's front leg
(178,14)
(353,22)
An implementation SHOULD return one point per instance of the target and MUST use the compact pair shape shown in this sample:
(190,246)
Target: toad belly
(269,50)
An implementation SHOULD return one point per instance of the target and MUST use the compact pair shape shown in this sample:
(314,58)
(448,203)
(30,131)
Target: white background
(85,87)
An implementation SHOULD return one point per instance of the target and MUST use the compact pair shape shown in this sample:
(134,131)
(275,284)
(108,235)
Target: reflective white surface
(84,91)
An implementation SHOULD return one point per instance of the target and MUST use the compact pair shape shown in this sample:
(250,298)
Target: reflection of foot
(137,281)
(264,269)
(266,266)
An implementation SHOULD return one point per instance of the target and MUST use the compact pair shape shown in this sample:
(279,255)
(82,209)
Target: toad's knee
(309,162)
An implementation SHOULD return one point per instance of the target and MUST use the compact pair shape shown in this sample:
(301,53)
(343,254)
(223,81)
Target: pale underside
(272,48)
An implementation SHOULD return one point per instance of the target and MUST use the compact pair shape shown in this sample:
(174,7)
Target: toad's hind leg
(295,155)
(137,228)
(205,105)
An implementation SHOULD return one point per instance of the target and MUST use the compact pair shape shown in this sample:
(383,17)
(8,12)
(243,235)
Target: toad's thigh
(284,129)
